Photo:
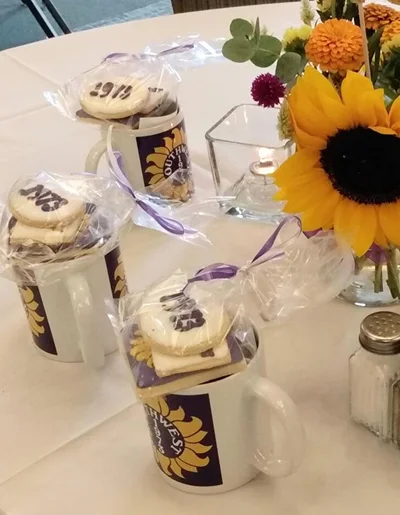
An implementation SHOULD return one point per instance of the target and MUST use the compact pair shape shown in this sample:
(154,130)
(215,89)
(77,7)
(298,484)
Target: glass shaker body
(372,377)
(374,370)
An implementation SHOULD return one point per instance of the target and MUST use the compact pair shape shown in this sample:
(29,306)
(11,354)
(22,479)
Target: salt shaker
(374,369)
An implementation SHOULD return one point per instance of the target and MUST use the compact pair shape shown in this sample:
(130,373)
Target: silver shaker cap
(380,333)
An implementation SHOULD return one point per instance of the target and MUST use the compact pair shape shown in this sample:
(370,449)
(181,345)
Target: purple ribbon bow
(117,168)
(225,271)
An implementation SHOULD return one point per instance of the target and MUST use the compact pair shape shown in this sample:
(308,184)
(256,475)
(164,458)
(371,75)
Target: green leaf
(374,42)
(267,52)
(238,50)
(256,37)
(288,66)
(241,28)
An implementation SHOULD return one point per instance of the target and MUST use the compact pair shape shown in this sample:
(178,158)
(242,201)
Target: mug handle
(282,406)
(94,156)
(81,300)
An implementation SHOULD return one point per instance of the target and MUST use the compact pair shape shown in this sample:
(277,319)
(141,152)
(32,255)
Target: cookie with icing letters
(116,97)
(167,365)
(38,205)
(182,323)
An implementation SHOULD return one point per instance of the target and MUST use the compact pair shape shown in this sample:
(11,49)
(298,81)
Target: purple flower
(267,90)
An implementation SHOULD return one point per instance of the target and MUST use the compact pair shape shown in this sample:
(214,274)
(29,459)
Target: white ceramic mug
(217,436)
(70,317)
(150,155)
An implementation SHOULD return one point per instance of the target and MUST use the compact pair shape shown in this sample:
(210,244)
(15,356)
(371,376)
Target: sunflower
(176,442)
(165,157)
(119,276)
(390,31)
(377,15)
(345,172)
(31,306)
(336,46)
(141,349)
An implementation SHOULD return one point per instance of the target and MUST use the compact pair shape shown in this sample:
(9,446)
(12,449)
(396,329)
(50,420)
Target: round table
(74,440)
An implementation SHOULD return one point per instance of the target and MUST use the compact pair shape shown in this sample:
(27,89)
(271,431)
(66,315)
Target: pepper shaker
(374,369)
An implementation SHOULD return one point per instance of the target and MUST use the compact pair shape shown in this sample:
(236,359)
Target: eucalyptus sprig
(249,44)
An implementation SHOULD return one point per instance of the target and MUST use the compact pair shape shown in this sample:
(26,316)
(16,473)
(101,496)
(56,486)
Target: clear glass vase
(376,284)
(244,150)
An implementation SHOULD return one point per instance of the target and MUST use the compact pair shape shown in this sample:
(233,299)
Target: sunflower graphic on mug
(177,439)
(119,276)
(170,161)
(35,320)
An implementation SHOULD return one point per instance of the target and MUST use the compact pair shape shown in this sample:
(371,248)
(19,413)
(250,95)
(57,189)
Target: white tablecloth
(75,441)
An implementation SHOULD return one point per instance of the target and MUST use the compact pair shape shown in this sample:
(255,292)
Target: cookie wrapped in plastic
(135,91)
(53,220)
(177,335)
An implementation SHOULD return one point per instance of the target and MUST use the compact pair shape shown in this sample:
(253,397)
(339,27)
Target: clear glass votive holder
(244,150)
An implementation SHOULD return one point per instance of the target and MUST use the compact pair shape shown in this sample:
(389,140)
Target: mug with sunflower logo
(70,318)
(217,436)
(155,157)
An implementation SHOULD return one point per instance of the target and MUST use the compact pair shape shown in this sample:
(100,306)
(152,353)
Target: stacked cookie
(47,220)
(125,100)
(189,337)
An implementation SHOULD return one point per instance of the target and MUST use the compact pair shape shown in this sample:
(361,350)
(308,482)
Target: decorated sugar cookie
(54,237)
(180,323)
(167,365)
(115,98)
(149,383)
(40,206)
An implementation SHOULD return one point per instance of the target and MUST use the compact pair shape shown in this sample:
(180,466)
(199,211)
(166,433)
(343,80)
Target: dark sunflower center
(363,165)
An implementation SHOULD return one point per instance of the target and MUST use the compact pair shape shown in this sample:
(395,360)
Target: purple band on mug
(225,271)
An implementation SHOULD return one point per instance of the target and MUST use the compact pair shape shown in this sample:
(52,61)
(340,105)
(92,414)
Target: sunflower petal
(191,458)
(301,161)
(364,111)
(394,114)
(176,469)
(157,159)
(164,463)
(353,86)
(320,84)
(389,220)
(322,214)
(186,466)
(189,428)
(306,140)
(197,437)
(198,448)
(380,238)
(383,130)
(164,408)
(302,199)
(308,117)
(356,223)
(177,414)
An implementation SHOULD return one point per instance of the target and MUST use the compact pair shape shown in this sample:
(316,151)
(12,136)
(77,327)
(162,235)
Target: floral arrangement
(337,82)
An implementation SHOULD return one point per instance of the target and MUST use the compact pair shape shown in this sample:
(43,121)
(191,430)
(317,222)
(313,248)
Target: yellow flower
(344,174)
(336,46)
(285,128)
(31,306)
(184,454)
(295,37)
(162,156)
(390,31)
(141,349)
(377,15)
(390,45)
(119,276)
